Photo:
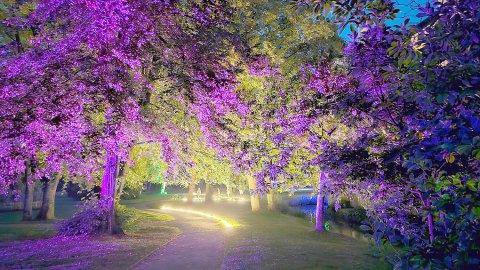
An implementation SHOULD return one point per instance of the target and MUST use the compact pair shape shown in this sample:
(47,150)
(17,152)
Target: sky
(408,9)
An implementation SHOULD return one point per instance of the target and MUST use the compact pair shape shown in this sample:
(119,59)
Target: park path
(200,245)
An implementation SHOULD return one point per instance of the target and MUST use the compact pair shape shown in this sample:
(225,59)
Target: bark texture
(47,211)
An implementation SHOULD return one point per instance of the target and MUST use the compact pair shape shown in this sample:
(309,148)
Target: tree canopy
(181,90)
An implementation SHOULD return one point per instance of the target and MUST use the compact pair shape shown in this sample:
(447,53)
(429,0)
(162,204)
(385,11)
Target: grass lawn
(13,228)
(263,240)
(271,240)
(144,233)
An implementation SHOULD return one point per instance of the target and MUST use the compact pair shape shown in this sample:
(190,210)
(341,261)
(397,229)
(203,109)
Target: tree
(281,41)
(414,118)
(83,83)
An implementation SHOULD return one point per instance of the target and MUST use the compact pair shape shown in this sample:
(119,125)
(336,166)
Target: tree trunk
(163,188)
(254,197)
(229,190)
(271,199)
(208,193)
(121,178)
(47,211)
(320,197)
(191,191)
(121,187)
(319,213)
(107,193)
(28,199)
(428,204)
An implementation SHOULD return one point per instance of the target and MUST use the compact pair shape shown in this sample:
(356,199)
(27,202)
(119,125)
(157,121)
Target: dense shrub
(91,218)
(126,216)
(351,215)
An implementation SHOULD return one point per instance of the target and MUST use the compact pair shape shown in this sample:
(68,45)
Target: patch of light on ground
(221,220)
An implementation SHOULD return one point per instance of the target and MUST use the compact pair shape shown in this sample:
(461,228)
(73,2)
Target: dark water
(336,226)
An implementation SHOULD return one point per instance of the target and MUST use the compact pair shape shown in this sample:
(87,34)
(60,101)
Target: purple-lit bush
(90,219)
(409,97)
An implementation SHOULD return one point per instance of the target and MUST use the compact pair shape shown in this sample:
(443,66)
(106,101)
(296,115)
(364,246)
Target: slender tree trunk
(319,213)
(191,191)
(19,42)
(254,197)
(320,197)
(29,188)
(208,193)
(229,190)
(428,204)
(271,199)
(47,211)
(122,179)
(121,187)
(163,188)
(108,188)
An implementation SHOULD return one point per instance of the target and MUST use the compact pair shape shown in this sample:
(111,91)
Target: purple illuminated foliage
(406,140)
(78,91)
(394,122)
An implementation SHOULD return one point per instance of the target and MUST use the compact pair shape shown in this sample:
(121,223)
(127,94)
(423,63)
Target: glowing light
(184,199)
(327,226)
(223,221)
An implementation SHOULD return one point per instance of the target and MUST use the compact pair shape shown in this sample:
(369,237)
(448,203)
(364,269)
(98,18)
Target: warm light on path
(223,221)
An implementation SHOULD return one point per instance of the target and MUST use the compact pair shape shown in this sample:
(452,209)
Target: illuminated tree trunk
(254,197)
(163,188)
(319,213)
(428,204)
(47,211)
(271,199)
(28,199)
(107,193)
(191,191)
(320,197)
(208,193)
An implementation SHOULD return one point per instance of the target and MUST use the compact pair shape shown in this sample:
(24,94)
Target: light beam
(223,221)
